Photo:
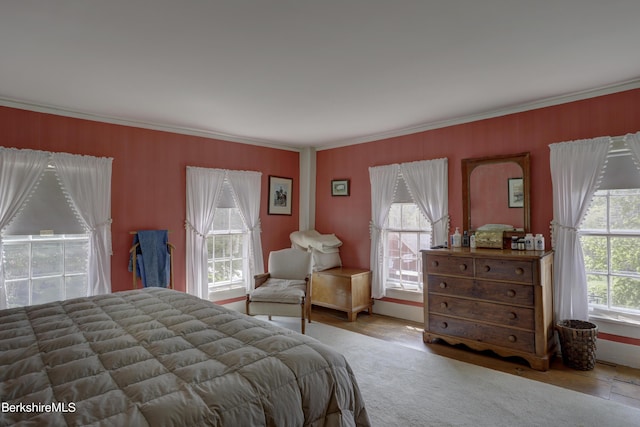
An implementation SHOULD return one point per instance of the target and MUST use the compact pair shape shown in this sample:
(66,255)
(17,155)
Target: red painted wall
(149,176)
(532,131)
(149,167)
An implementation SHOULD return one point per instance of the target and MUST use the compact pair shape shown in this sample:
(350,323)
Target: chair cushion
(280,290)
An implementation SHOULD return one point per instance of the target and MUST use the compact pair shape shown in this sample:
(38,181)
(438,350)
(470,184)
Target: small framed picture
(280,192)
(516,193)
(340,187)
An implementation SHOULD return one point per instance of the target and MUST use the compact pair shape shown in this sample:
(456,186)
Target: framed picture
(340,187)
(280,192)
(516,193)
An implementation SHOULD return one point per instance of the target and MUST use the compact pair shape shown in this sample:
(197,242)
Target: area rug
(406,387)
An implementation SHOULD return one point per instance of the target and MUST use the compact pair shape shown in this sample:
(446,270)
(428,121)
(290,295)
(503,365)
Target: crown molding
(534,105)
(48,109)
(542,103)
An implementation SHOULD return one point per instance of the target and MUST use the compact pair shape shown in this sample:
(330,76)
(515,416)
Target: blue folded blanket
(152,258)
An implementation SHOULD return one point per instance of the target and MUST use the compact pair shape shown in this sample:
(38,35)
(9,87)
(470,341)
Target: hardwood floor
(608,381)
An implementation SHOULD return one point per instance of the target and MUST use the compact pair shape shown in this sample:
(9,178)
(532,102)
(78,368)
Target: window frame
(230,232)
(399,284)
(607,310)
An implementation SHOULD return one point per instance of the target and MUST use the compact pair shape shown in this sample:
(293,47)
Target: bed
(158,357)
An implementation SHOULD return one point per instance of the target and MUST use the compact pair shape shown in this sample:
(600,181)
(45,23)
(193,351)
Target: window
(56,225)
(45,248)
(398,230)
(41,269)
(407,232)
(225,205)
(610,237)
(226,250)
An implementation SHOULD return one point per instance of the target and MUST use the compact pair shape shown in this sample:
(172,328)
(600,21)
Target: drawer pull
(512,338)
(462,267)
(513,316)
(444,325)
(487,269)
(511,293)
(434,263)
(519,271)
(443,285)
(444,305)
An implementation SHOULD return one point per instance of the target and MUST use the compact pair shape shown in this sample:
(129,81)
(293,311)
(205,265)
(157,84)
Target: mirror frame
(468,165)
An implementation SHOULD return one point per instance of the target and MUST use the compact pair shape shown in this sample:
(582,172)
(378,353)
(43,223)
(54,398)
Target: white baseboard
(614,351)
(237,306)
(401,311)
(618,353)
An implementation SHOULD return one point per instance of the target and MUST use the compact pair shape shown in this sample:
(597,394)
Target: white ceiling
(311,73)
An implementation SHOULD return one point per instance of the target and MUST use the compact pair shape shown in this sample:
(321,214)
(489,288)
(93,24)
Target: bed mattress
(158,357)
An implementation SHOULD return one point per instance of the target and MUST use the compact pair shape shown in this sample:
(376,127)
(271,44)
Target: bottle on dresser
(456,239)
(539,242)
(529,242)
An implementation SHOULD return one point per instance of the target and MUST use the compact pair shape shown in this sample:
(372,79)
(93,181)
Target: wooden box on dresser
(491,299)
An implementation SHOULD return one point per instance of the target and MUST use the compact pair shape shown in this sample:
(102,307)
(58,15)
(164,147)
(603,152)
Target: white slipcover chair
(285,289)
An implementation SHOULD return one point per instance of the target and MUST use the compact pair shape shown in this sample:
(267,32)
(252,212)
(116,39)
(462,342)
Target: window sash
(59,285)
(604,269)
(230,264)
(403,270)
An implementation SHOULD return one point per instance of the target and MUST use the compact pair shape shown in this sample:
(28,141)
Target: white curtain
(384,180)
(428,183)
(576,170)
(246,188)
(87,182)
(204,187)
(20,170)
(633,142)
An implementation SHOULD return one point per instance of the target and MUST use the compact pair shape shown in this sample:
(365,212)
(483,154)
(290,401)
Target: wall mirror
(495,190)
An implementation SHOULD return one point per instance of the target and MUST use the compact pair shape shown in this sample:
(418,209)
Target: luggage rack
(134,256)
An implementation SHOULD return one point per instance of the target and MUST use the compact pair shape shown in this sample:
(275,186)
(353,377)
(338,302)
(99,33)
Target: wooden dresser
(491,299)
(344,289)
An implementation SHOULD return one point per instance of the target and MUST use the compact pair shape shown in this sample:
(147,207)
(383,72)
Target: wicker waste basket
(578,343)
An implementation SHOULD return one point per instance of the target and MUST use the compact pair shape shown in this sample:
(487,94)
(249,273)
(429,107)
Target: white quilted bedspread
(157,357)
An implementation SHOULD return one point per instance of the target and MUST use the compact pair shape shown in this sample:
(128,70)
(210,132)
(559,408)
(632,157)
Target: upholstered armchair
(285,289)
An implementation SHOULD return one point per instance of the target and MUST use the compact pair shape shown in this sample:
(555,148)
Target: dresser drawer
(516,317)
(490,334)
(509,293)
(442,264)
(501,269)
